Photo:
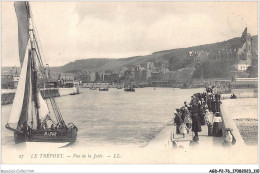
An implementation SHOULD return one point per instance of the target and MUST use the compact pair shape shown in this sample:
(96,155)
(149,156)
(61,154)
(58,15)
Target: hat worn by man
(217,114)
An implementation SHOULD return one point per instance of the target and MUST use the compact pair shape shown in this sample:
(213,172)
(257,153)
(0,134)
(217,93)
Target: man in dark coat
(201,115)
(185,104)
(218,102)
(196,126)
(209,101)
(217,125)
(213,105)
(178,121)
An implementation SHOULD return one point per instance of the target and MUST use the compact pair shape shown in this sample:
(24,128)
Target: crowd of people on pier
(204,108)
(221,88)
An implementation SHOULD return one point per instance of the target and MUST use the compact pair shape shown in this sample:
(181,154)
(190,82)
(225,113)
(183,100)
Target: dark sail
(22,14)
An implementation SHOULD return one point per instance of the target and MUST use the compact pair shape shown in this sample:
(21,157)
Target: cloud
(76,30)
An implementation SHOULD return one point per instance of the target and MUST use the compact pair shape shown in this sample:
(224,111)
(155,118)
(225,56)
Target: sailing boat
(128,85)
(129,88)
(30,116)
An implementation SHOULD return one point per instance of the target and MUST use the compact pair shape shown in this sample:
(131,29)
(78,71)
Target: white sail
(19,95)
(43,110)
(23,27)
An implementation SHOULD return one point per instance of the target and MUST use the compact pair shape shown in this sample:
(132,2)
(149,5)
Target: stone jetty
(244,107)
(7,95)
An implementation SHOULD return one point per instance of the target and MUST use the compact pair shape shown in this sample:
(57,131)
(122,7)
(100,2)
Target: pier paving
(164,139)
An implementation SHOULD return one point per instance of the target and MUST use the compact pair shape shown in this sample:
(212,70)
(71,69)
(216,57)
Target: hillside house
(242,65)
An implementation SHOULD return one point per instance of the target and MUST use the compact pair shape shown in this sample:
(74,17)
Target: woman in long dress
(209,121)
(217,126)
(201,115)
(187,119)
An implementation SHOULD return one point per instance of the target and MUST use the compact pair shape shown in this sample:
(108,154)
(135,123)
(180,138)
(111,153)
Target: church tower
(247,47)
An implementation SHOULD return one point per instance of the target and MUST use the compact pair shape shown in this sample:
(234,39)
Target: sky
(70,31)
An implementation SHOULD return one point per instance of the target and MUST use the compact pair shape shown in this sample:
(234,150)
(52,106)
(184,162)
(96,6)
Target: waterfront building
(148,74)
(83,77)
(67,76)
(66,80)
(7,81)
(92,76)
(245,83)
(110,77)
(51,83)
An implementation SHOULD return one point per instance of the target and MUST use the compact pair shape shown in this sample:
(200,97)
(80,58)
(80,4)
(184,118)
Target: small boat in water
(129,89)
(176,88)
(30,118)
(128,86)
(119,86)
(93,88)
(103,89)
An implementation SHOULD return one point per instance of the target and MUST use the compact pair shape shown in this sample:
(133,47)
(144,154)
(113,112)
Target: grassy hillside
(89,64)
(175,57)
(212,70)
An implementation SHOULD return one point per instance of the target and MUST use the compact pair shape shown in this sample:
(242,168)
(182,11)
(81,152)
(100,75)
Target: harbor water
(115,117)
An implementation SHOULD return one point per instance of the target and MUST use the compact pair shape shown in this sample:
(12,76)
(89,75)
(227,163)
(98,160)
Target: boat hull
(129,90)
(59,136)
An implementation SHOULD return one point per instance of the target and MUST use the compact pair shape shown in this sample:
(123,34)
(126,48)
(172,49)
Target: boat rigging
(30,118)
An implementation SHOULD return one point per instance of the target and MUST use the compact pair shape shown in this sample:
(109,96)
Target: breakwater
(241,93)
(47,93)
(7,96)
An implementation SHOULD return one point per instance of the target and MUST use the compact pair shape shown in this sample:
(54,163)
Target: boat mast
(34,77)
(36,57)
